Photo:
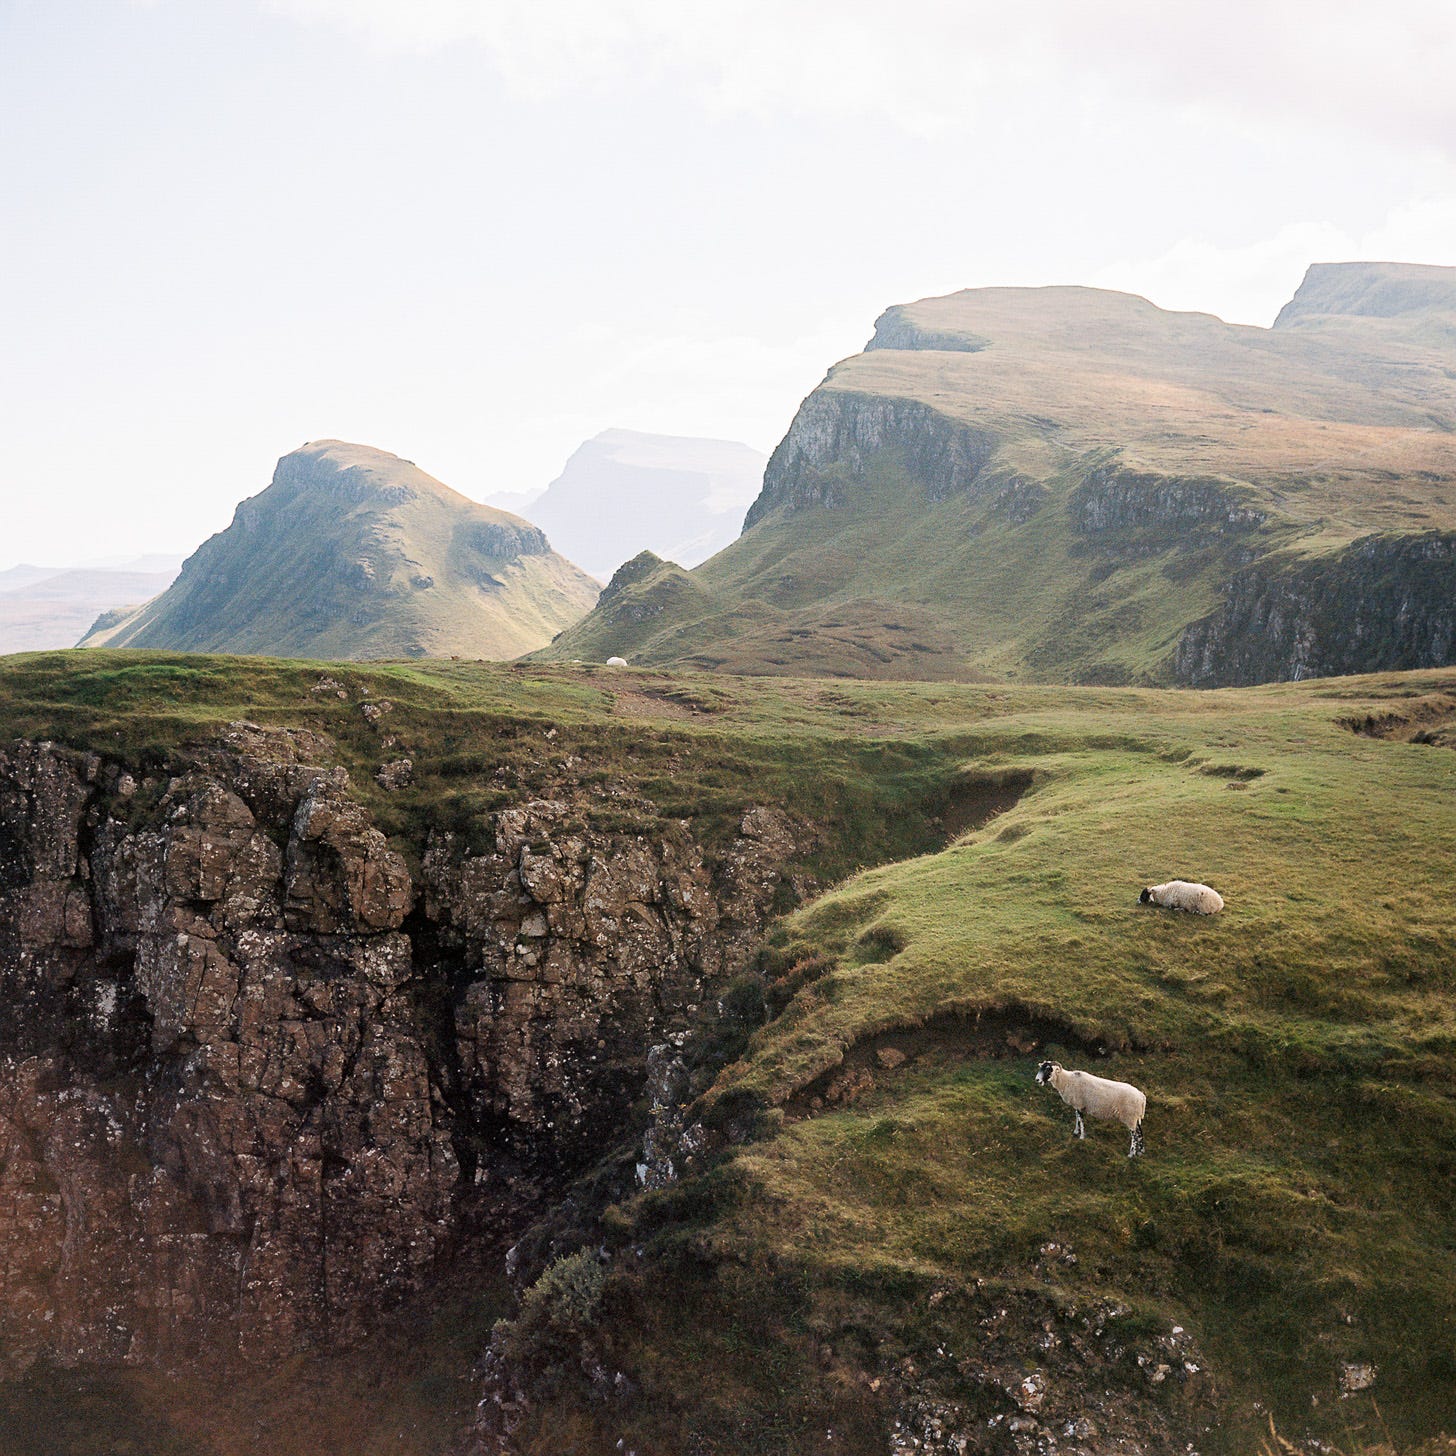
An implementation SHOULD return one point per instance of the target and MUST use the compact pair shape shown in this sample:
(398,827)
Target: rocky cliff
(258,1072)
(1382,604)
(1370,290)
(836,439)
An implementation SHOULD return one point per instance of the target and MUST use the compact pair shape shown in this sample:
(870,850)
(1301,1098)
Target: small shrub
(556,1311)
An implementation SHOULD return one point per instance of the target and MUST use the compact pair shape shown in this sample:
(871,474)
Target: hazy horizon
(478,236)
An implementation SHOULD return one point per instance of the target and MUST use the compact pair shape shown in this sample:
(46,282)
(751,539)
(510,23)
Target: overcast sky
(476,232)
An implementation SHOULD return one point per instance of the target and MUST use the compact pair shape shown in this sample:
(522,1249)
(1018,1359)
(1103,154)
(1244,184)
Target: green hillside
(352,552)
(1065,484)
(1294,1213)
(880,1224)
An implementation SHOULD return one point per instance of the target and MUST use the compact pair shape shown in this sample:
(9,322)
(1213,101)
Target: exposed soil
(977,799)
(1005,1032)
(1431,719)
(677,703)
(650,705)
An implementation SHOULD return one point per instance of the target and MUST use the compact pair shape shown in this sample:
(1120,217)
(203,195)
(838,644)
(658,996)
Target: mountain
(622,492)
(353,552)
(51,606)
(1069,484)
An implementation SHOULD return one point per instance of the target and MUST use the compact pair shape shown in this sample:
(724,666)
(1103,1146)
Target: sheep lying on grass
(1183,895)
(1098,1097)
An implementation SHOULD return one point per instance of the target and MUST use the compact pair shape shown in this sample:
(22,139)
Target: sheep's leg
(1137,1141)
(1079,1130)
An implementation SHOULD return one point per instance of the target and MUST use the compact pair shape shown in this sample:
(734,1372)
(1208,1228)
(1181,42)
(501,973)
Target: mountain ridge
(623,491)
(1061,484)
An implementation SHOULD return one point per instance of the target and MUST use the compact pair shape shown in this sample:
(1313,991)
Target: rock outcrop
(256,1075)
(1382,604)
(1113,497)
(836,438)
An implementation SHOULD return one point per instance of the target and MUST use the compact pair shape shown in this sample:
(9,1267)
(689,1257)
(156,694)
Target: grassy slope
(1295,1207)
(281,579)
(882,588)
(1336,427)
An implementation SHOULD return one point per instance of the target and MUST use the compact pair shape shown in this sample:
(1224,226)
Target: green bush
(556,1311)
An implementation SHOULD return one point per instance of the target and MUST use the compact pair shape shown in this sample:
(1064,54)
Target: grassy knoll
(1296,1209)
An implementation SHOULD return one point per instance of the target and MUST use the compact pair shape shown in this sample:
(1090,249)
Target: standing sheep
(1098,1097)
(1183,895)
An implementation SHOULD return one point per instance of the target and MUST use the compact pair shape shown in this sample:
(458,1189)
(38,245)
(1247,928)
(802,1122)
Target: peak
(643,564)
(363,467)
(1371,290)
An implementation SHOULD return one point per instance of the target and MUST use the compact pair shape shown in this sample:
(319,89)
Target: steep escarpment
(1384,603)
(352,552)
(1058,484)
(832,443)
(257,1074)
(1370,290)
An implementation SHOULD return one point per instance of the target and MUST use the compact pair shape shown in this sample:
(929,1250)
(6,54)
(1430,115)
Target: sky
(478,232)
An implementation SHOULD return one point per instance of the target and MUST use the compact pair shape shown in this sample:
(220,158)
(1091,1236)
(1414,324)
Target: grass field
(1296,1208)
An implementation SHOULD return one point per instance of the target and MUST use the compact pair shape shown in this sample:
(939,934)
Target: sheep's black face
(1145,897)
(1044,1074)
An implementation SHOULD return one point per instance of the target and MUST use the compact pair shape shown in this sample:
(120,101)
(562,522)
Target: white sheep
(616,662)
(1183,895)
(1098,1097)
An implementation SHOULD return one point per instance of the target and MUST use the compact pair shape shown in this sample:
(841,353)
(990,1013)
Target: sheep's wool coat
(1184,895)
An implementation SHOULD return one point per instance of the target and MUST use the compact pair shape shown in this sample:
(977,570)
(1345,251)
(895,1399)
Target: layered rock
(1113,497)
(1383,604)
(255,1080)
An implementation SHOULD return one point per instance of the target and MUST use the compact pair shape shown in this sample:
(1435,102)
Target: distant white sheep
(1183,895)
(616,662)
(1098,1097)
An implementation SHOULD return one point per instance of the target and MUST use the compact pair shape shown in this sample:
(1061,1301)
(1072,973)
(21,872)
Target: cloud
(1249,282)
(935,65)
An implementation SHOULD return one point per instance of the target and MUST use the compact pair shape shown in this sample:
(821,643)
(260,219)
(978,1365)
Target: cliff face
(1113,498)
(1370,290)
(1383,604)
(836,438)
(256,1074)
